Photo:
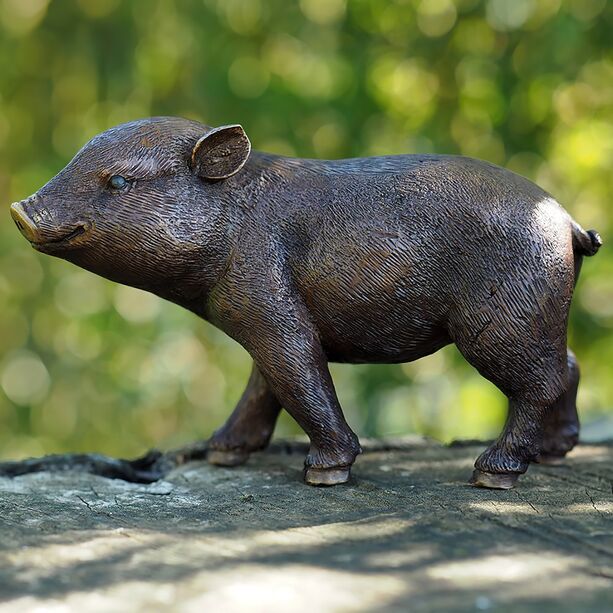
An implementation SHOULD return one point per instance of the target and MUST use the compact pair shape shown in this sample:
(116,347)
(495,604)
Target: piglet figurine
(306,262)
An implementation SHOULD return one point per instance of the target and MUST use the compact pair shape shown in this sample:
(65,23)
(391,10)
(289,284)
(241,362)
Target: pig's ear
(221,152)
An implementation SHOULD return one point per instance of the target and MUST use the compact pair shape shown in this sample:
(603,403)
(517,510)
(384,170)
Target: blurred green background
(88,365)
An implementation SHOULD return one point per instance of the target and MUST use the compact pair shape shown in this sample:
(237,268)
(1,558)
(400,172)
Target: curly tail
(585,243)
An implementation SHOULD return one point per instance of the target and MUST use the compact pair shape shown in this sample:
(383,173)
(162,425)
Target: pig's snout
(23,221)
(43,230)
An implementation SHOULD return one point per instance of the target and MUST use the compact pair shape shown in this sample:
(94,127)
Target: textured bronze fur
(304,262)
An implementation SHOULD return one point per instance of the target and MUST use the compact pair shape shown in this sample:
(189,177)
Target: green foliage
(87,365)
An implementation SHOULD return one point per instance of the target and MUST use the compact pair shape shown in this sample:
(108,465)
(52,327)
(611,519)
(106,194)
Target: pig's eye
(117,182)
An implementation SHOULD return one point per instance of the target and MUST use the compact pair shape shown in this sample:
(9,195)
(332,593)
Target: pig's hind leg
(250,426)
(522,350)
(561,428)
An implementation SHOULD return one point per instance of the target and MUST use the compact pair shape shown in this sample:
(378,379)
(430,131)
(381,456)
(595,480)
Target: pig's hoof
(326,476)
(496,481)
(226,458)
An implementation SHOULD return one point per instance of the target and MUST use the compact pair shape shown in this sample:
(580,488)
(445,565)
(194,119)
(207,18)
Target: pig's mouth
(69,238)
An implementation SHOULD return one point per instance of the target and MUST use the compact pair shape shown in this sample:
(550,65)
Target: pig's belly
(371,335)
(381,303)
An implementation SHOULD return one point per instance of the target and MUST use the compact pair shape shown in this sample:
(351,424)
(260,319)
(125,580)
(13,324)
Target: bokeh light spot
(135,305)
(508,14)
(248,77)
(24,378)
(22,16)
(323,12)
(80,293)
(436,17)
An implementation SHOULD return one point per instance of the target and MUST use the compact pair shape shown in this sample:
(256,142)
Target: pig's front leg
(289,355)
(250,426)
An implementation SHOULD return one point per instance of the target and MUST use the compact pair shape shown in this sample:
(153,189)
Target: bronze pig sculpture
(305,262)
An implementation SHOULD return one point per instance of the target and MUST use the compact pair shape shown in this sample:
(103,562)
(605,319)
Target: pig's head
(142,203)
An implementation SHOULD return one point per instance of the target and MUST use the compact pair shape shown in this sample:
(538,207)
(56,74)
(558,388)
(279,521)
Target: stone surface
(407,533)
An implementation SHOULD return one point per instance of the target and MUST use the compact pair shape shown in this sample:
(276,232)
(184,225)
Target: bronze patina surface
(303,262)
